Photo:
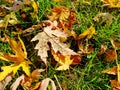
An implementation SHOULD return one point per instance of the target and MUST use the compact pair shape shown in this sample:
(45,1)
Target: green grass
(86,75)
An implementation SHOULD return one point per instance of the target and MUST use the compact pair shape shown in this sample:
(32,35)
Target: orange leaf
(115,84)
(19,50)
(36,73)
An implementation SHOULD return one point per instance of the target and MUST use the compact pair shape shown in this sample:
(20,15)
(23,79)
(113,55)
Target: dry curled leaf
(115,44)
(18,81)
(110,55)
(85,49)
(103,18)
(36,74)
(102,49)
(53,38)
(87,33)
(16,5)
(5,82)
(111,3)
(45,83)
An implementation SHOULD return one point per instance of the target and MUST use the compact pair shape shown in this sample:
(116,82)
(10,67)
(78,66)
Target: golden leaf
(112,3)
(63,61)
(87,33)
(19,59)
(112,70)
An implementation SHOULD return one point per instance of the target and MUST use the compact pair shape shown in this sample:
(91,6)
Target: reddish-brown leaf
(110,55)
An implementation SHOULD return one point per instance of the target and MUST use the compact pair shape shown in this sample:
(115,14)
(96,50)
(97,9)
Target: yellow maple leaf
(19,59)
(87,33)
(63,61)
(112,3)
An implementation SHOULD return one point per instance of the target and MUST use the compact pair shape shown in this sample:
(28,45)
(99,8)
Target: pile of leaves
(53,40)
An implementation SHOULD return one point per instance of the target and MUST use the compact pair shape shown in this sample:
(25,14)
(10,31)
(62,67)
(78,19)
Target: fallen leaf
(36,86)
(115,44)
(19,50)
(19,59)
(16,5)
(52,37)
(84,49)
(13,68)
(115,84)
(112,71)
(5,82)
(2,12)
(9,19)
(118,72)
(36,73)
(87,33)
(18,81)
(102,49)
(111,3)
(59,12)
(63,61)
(103,18)
(45,84)
(110,55)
